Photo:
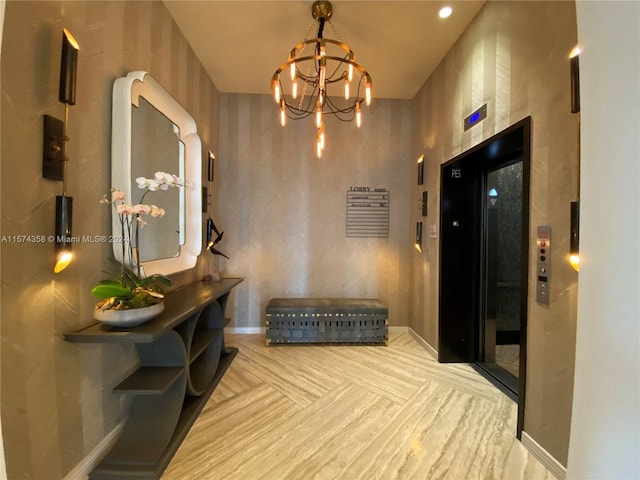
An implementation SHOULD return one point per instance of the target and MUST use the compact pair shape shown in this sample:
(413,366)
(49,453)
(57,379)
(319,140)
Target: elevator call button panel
(543,263)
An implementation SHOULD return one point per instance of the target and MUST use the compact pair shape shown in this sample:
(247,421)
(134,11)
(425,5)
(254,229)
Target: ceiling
(241,43)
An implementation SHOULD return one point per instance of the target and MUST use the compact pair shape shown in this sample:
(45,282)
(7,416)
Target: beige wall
(514,57)
(56,397)
(605,425)
(283,210)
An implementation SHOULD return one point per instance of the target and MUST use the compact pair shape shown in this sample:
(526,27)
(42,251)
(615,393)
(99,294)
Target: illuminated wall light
(418,243)
(421,170)
(445,12)
(63,241)
(574,239)
(574,65)
(55,149)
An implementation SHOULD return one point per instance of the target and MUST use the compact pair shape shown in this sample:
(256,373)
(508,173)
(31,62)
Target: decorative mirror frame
(126,90)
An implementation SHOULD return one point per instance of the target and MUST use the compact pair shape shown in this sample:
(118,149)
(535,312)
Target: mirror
(151,132)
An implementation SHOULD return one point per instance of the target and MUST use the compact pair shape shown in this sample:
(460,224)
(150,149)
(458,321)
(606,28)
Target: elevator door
(484,248)
(501,288)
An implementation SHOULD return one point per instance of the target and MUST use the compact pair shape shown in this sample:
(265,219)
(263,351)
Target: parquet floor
(352,412)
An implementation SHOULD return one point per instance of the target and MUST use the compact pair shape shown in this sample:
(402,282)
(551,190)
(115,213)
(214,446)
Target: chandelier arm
(314,58)
(334,110)
(304,43)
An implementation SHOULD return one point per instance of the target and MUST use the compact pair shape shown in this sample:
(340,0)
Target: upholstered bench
(326,320)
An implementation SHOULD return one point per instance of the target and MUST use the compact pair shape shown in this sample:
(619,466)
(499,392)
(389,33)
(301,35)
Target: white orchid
(131,215)
(162,181)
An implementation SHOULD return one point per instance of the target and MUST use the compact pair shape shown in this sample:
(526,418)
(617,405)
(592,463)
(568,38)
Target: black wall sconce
(574,235)
(574,239)
(211,159)
(54,156)
(418,243)
(421,170)
(574,61)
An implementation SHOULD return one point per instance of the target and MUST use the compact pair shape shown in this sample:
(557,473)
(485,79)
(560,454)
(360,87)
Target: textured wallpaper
(514,57)
(283,210)
(57,402)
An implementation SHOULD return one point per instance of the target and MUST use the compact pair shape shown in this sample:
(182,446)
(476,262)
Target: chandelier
(315,66)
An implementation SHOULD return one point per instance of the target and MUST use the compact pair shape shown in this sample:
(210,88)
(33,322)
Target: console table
(183,356)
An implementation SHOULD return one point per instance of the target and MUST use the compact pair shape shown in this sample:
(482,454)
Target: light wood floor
(352,412)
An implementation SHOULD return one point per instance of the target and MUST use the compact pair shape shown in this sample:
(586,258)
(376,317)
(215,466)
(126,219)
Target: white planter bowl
(128,318)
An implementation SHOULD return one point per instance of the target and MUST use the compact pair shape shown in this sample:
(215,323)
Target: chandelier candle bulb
(358,115)
(282,113)
(294,90)
(346,89)
(321,131)
(293,70)
(276,89)
(367,94)
(318,114)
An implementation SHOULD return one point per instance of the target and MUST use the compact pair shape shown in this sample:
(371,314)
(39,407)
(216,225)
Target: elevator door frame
(460,286)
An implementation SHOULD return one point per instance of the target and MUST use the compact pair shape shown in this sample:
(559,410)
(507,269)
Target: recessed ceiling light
(445,12)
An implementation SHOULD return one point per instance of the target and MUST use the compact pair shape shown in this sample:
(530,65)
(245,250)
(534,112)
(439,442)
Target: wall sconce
(574,59)
(211,159)
(54,156)
(574,238)
(418,243)
(421,170)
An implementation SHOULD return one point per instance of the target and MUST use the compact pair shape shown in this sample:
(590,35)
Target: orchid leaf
(107,291)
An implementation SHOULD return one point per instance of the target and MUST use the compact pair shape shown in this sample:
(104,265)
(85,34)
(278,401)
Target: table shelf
(176,377)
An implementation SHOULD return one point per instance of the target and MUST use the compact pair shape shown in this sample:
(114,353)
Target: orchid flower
(127,212)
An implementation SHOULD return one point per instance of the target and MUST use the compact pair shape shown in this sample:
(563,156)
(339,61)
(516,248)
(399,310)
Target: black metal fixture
(210,165)
(420,169)
(54,157)
(425,196)
(574,239)
(574,234)
(574,59)
(418,243)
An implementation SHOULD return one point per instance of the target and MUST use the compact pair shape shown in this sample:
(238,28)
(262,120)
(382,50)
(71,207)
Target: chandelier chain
(335,32)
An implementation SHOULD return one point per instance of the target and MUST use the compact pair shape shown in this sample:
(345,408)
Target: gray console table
(183,356)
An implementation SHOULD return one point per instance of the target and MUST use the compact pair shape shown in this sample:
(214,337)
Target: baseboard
(554,466)
(246,330)
(424,343)
(88,463)
(398,330)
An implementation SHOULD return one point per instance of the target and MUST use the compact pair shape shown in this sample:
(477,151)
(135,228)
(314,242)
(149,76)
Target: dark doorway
(483,259)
